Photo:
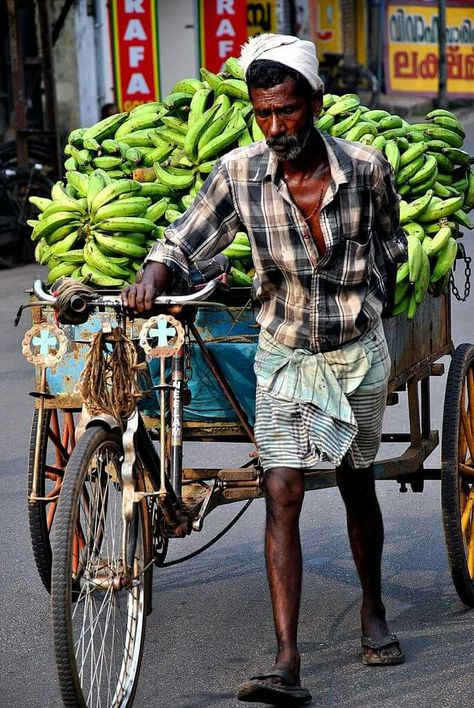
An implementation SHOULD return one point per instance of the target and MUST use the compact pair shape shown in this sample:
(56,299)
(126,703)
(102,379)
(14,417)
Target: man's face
(284,117)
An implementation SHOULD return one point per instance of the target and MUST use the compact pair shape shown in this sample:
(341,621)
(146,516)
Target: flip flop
(389,641)
(258,690)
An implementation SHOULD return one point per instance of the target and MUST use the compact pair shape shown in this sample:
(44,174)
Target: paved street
(211,625)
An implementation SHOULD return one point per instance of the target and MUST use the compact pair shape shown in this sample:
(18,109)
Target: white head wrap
(298,54)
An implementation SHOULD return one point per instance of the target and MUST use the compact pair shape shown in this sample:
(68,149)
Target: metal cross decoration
(44,345)
(161,336)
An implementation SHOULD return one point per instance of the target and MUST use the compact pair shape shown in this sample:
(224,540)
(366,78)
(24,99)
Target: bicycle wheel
(359,80)
(457,471)
(16,234)
(98,622)
(56,441)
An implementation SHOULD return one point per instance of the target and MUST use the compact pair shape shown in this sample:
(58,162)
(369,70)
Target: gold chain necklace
(322,192)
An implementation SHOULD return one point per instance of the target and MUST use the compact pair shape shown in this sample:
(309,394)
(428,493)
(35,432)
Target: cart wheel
(457,473)
(56,442)
(98,619)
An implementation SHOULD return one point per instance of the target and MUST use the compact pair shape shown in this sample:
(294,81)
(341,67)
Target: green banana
(402,305)
(462,218)
(344,104)
(41,202)
(457,156)
(235,88)
(379,142)
(112,191)
(414,229)
(216,146)
(157,210)
(126,223)
(135,206)
(413,152)
(64,245)
(140,122)
(412,211)
(177,100)
(190,86)
(155,190)
(105,128)
(75,256)
(75,137)
(377,114)
(469,197)
(199,104)
(392,153)
(346,124)
(445,260)
(94,257)
(96,185)
(196,130)
(121,245)
(389,123)
(357,131)
(100,279)
(233,67)
(402,272)
(440,209)
(451,123)
(324,123)
(213,80)
(438,241)
(414,257)
(429,167)
(60,271)
(256,131)
(412,306)
(405,173)
(401,290)
(175,182)
(79,181)
(41,229)
(423,280)
(444,163)
(436,132)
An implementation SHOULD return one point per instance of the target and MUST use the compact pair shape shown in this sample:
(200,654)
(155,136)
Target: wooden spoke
(470,557)
(467,430)
(467,512)
(470,390)
(462,445)
(466,470)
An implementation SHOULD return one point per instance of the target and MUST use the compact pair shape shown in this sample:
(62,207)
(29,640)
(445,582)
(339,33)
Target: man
(322,219)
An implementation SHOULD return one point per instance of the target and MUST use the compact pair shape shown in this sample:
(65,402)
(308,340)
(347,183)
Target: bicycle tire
(356,79)
(87,599)
(456,488)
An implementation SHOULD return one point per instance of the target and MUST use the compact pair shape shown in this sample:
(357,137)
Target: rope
(108,382)
(66,289)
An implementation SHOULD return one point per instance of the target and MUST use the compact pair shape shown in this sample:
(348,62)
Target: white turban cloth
(298,54)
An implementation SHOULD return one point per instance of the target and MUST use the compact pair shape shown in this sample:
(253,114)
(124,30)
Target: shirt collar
(339,163)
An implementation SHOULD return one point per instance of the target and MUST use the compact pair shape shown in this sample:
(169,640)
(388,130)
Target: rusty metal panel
(426,337)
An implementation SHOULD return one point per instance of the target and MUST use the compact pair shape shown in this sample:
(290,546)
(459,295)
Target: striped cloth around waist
(324,379)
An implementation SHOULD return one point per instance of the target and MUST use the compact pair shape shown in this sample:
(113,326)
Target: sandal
(380,660)
(259,690)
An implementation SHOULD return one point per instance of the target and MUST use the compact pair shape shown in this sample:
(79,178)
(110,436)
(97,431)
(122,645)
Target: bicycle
(340,77)
(120,499)
(16,185)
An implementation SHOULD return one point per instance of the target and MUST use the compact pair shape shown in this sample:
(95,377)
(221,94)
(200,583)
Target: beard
(290,147)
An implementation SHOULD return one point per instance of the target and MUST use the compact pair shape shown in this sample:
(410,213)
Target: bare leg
(366,536)
(284,491)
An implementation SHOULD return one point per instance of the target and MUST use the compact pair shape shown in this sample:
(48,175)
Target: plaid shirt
(305,301)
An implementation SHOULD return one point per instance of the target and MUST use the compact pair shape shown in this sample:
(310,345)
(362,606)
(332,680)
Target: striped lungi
(321,407)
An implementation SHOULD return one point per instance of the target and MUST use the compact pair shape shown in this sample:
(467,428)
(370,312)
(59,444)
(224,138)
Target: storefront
(412,56)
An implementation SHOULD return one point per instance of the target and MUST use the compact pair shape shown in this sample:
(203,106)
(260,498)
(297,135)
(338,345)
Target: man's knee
(284,487)
(356,485)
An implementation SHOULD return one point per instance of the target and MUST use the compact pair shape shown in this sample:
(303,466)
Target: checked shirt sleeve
(205,229)
(389,233)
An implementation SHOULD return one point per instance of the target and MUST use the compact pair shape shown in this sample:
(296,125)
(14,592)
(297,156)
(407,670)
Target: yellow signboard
(261,17)
(412,48)
(328,27)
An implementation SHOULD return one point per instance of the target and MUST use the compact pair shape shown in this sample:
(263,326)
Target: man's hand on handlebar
(140,296)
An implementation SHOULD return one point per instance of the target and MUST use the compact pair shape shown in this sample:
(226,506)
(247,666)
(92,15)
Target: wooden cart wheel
(57,441)
(457,473)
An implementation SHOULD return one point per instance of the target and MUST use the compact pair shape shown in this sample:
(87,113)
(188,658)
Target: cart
(216,346)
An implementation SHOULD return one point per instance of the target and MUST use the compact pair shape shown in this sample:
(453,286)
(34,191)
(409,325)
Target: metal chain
(467,276)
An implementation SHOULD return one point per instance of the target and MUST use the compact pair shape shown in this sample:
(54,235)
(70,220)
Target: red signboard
(135,50)
(223,28)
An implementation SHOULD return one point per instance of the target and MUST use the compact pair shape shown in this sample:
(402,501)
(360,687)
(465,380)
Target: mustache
(284,141)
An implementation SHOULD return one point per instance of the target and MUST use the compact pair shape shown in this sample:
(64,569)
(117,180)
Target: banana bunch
(95,229)
(166,149)
(430,259)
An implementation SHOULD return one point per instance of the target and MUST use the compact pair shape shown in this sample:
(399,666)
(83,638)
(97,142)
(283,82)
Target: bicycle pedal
(238,474)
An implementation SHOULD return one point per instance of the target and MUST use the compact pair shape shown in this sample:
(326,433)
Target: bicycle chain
(467,275)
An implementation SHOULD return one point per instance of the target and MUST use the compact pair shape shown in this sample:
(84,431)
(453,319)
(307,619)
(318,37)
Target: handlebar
(80,302)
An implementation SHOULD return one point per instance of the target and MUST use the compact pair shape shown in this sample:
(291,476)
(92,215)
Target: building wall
(65,73)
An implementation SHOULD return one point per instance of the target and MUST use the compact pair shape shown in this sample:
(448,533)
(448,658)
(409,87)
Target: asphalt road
(211,625)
